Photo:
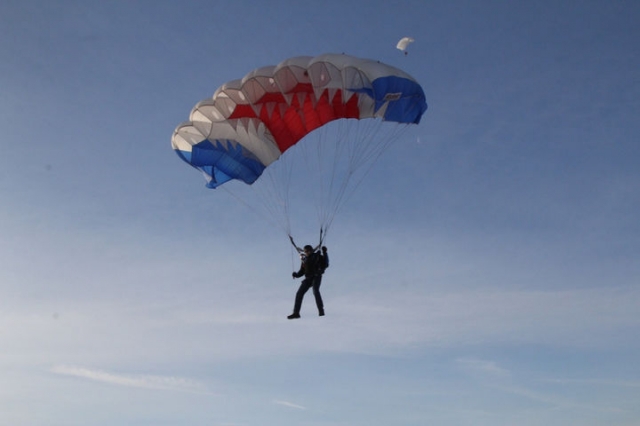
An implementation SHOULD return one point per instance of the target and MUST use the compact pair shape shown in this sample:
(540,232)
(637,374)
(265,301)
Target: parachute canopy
(404,43)
(249,123)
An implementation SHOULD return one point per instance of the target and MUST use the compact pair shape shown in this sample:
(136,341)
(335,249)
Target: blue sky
(485,274)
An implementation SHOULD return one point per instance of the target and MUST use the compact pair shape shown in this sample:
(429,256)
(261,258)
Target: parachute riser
(321,241)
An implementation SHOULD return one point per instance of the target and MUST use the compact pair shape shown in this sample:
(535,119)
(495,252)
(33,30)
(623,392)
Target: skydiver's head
(308,249)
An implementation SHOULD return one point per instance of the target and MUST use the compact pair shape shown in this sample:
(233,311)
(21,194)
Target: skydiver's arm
(325,257)
(294,245)
(299,273)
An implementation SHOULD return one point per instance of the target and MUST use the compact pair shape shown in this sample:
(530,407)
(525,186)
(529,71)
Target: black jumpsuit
(312,268)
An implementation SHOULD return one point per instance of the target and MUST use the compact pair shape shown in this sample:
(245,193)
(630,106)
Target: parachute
(404,43)
(299,123)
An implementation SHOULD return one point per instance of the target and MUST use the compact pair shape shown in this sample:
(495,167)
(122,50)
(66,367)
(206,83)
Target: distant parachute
(404,43)
(316,122)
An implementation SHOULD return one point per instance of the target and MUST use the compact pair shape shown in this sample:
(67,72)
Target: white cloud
(382,322)
(136,381)
(377,322)
(558,401)
(289,404)
(594,382)
(481,366)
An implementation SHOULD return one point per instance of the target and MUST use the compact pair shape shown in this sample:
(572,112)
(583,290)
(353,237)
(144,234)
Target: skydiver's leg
(304,287)
(316,293)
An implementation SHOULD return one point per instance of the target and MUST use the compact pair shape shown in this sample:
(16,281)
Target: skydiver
(312,267)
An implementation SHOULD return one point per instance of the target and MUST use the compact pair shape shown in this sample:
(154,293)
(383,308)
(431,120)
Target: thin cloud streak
(557,401)
(482,366)
(572,317)
(289,404)
(594,382)
(178,384)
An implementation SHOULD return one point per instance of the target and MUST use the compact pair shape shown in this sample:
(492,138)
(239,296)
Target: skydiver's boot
(293,316)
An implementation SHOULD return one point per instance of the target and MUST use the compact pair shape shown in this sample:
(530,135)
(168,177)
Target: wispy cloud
(289,404)
(481,366)
(135,381)
(594,382)
(557,400)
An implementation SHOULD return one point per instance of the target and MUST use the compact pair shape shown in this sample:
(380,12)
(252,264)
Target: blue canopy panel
(406,99)
(224,160)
